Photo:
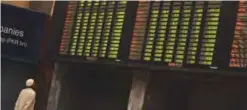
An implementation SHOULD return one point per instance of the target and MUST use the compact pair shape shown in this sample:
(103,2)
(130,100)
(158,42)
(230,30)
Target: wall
(43,72)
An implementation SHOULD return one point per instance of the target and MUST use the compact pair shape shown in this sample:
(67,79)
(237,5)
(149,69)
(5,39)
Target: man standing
(26,99)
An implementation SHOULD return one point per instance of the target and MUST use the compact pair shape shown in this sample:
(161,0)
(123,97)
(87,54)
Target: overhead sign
(22,31)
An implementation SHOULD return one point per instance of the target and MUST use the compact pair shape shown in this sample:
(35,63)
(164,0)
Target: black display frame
(228,17)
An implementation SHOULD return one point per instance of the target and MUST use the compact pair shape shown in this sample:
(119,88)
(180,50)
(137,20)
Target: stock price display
(239,47)
(93,28)
(175,33)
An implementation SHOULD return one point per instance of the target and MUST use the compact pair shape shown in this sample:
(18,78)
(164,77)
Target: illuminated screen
(93,28)
(239,46)
(137,43)
(176,32)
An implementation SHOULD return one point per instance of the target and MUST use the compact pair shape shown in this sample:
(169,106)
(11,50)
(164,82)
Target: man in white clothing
(26,99)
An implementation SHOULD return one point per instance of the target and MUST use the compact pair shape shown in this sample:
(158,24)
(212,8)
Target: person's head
(30,83)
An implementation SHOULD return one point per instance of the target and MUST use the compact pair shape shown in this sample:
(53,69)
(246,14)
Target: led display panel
(208,38)
(187,34)
(175,33)
(239,47)
(93,29)
(137,42)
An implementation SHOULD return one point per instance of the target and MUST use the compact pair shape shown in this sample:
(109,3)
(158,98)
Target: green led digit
(76,31)
(209,39)
(147,58)
(180,52)
(169,51)
(158,51)
(179,61)
(169,56)
(157,59)
(106,32)
(194,38)
(168,60)
(117,31)
(97,34)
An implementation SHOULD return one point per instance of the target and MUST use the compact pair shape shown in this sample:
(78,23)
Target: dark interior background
(91,87)
(94,87)
(184,91)
(13,78)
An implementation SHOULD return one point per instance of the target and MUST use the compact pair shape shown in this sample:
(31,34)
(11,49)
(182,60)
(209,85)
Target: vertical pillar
(138,90)
(53,98)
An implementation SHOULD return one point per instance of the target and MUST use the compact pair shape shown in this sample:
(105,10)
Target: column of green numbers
(172,32)
(107,27)
(75,36)
(98,27)
(117,29)
(90,31)
(76,29)
(84,29)
(162,31)
(183,32)
(194,38)
(151,31)
(209,38)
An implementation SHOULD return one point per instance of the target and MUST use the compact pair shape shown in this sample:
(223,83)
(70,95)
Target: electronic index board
(239,46)
(176,33)
(93,28)
(184,34)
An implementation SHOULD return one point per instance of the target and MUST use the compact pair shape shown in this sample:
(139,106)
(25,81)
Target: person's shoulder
(30,91)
